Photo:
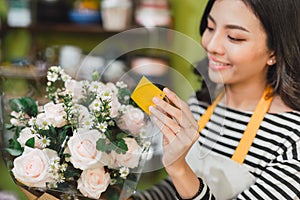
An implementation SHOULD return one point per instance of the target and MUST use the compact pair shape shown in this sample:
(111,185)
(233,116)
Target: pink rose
(82,147)
(132,120)
(31,168)
(93,182)
(131,158)
(75,87)
(55,113)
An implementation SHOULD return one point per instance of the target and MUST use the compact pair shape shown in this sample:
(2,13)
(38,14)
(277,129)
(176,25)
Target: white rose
(112,87)
(83,114)
(55,113)
(114,106)
(25,135)
(16,118)
(93,182)
(132,120)
(31,168)
(82,147)
(75,87)
(131,158)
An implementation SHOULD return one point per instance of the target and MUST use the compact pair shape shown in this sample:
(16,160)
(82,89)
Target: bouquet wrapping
(88,141)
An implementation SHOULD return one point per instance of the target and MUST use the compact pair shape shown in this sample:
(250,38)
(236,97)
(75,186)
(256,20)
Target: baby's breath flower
(102,136)
(106,95)
(124,171)
(55,175)
(56,160)
(126,98)
(67,196)
(85,83)
(87,123)
(44,141)
(123,108)
(52,185)
(121,84)
(52,168)
(55,69)
(102,126)
(95,86)
(63,167)
(42,124)
(113,181)
(111,123)
(51,76)
(96,105)
(32,121)
(60,178)
(65,77)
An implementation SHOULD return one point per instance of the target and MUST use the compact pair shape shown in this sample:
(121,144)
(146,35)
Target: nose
(213,42)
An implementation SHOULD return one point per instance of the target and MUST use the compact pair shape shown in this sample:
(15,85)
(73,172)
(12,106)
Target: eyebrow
(229,26)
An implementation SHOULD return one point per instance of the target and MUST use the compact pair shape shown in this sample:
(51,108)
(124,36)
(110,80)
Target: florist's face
(236,44)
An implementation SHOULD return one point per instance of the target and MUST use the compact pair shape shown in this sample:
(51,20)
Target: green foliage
(30,142)
(118,145)
(24,104)
(14,148)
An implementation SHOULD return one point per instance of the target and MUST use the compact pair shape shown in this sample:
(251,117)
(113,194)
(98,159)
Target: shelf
(66,27)
(27,72)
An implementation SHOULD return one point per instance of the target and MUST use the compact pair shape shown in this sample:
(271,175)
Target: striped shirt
(273,159)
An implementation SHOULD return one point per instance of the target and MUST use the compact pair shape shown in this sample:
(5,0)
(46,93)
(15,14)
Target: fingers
(177,109)
(170,128)
(167,125)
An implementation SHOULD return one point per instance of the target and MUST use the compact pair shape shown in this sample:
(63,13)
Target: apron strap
(252,127)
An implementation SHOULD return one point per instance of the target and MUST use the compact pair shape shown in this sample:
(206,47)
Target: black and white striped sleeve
(165,190)
(280,179)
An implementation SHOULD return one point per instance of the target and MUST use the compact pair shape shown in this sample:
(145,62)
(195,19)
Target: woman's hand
(179,128)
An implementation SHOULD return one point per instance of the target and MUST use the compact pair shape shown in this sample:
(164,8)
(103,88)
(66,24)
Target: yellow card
(144,92)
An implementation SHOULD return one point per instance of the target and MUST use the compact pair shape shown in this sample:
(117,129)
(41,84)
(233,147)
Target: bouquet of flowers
(88,141)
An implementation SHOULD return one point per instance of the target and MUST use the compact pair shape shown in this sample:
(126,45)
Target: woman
(253,48)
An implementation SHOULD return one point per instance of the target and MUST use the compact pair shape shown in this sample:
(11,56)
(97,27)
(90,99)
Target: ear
(272,59)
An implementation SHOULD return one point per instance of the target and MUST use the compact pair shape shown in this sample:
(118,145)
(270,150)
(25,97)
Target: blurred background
(36,34)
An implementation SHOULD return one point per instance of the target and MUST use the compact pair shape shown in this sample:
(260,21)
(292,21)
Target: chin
(216,77)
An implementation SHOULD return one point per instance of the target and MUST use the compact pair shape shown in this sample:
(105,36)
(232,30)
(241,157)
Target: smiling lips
(217,65)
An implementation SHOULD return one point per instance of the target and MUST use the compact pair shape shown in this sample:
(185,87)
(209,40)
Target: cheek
(204,39)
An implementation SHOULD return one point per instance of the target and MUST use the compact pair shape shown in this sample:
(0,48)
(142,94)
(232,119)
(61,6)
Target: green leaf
(14,152)
(95,76)
(9,126)
(71,172)
(14,148)
(30,142)
(14,144)
(121,145)
(121,135)
(62,136)
(66,155)
(101,145)
(24,104)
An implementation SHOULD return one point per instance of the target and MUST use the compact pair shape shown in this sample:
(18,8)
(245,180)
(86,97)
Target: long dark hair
(281,22)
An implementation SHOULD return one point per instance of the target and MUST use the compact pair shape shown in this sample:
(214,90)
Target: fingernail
(166,90)
(151,108)
(155,100)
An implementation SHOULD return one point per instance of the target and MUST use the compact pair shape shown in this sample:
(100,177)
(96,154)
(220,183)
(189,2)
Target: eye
(235,39)
(209,28)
